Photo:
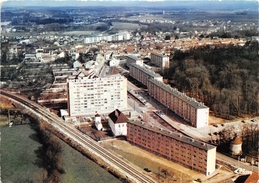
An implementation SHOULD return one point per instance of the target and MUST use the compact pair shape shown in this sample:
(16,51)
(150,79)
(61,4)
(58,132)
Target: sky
(116,2)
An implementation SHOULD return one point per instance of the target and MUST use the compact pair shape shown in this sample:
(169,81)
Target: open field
(126,26)
(18,156)
(5,103)
(18,159)
(80,169)
(77,33)
(248,17)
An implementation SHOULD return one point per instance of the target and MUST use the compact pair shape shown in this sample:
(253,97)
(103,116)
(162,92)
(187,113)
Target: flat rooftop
(174,135)
(178,94)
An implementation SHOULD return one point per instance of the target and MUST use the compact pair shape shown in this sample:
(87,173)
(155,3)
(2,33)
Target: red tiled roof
(253,178)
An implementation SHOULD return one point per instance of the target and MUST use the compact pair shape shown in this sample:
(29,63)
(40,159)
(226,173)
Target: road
(85,142)
(236,163)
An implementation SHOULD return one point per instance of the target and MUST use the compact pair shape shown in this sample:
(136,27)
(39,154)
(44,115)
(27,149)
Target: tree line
(49,154)
(225,78)
(248,133)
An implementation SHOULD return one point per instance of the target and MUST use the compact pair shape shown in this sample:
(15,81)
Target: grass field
(126,26)
(18,156)
(80,169)
(77,33)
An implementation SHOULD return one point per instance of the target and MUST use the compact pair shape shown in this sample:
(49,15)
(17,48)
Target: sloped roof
(118,117)
(253,178)
(237,140)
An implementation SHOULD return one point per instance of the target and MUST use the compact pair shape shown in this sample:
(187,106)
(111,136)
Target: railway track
(85,141)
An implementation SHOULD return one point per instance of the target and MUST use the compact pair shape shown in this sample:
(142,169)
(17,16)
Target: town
(102,71)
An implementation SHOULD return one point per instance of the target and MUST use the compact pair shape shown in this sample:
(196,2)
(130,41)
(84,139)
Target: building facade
(175,147)
(86,96)
(118,123)
(130,59)
(196,113)
(160,60)
(98,122)
(115,37)
(143,75)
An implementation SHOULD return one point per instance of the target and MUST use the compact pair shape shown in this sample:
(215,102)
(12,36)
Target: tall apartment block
(143,75)
(175,147)
(160,60)
(130,59)
(104,95)
(196,113)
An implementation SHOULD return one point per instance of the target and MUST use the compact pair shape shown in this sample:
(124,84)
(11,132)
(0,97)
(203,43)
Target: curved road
(84,141)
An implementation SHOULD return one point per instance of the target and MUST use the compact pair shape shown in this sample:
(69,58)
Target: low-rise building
(236,146)
(118,123)
(98,122)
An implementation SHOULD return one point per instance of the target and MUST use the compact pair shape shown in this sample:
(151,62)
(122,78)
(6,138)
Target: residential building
(196,113)
(130,59)
(115,37)
(143,75)
(175,147)
(160,60)
(88,95)
(118,123)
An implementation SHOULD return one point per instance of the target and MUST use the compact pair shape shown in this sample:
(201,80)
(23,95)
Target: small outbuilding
(98,122)
(236,146)
(118,123)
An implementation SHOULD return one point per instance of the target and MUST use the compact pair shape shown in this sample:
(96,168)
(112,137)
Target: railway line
(82,139)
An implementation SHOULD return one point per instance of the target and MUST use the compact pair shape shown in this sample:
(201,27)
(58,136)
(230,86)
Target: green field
(126,26)
(18,159)
(80,169)
(17,155)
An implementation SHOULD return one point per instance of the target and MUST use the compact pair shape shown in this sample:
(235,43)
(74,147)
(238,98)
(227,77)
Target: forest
(225,78)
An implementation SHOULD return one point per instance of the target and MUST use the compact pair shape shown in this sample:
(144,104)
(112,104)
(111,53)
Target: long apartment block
(175,147)
(86,96)
(160,60)
(143,75)
(130,59)
(196,113)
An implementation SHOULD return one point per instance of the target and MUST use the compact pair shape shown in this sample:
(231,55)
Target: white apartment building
(88,95)
(160,60)
(196,113)
(143,75)
(115,37)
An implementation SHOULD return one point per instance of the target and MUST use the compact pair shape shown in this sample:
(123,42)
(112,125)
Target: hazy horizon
(217,5)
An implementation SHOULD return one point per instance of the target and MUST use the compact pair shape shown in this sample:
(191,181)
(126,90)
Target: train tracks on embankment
(85,142)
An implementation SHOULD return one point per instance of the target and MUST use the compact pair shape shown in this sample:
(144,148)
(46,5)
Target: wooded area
(225,78)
